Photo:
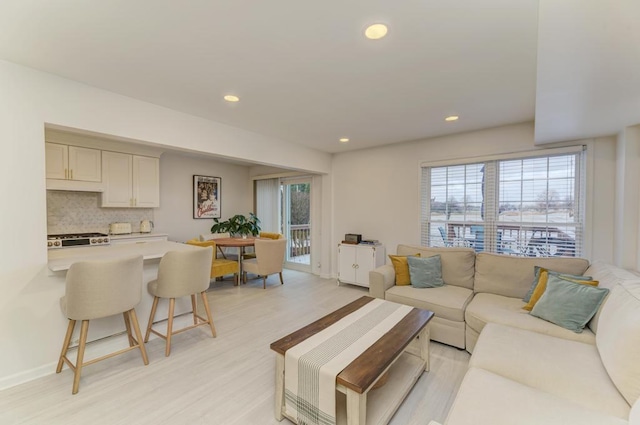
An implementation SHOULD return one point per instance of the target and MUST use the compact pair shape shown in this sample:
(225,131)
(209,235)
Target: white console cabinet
(356,261)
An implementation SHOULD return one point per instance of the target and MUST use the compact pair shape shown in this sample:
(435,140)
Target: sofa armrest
(381,279)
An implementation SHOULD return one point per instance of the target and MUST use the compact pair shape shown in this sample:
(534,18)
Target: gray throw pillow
(425,272)
(536,271)
(568,304)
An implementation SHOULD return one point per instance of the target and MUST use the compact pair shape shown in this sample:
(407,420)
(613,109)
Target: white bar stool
(182,273)
(96,289)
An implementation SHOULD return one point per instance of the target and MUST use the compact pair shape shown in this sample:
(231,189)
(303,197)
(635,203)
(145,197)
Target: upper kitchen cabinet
(72,163)
(130,181)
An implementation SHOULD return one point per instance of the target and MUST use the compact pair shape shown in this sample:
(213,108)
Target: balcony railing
(511,239)
(300,240)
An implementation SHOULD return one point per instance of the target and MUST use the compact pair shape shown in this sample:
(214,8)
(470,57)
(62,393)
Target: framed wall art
(206,197)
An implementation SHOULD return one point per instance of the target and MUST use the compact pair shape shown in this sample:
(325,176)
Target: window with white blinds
(530,206)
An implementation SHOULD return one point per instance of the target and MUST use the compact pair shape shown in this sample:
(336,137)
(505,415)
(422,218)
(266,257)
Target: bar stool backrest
(182,273)
(96,289)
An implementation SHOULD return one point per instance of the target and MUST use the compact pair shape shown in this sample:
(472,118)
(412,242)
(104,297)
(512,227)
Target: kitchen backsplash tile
(74,212)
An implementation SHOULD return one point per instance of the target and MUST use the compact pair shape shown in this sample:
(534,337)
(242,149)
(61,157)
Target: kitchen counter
(139,235)
(62,259)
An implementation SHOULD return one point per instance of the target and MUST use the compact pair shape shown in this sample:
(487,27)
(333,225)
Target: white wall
(376,192)
(175,215)
(627,201)
(601,190)
(31,324)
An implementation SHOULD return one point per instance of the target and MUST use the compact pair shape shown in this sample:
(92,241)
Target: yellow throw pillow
(401,266)
(542,286)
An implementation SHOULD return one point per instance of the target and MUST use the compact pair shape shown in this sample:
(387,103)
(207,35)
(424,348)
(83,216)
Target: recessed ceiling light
(231,98)
(452,118)
(375,31)
(344,140)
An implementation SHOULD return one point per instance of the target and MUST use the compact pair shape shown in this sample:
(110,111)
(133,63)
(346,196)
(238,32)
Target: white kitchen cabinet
(146,181)
(65,162)
(356,261)
(130,180)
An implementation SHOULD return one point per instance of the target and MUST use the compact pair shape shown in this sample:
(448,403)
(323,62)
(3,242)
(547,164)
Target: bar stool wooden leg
(84,330)
(205,301)
(264,282)
(136,328)
(151,316)
(172,305)
(127,324)
(194,309)
(65,344)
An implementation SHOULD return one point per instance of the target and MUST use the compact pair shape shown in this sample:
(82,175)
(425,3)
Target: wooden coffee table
(403,352)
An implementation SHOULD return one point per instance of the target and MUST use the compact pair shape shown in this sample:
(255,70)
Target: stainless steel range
(70,240)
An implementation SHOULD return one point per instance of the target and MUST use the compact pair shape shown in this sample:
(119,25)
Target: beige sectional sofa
(480,288)
(525,370)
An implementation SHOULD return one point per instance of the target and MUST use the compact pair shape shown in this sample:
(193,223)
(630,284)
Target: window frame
(493,228)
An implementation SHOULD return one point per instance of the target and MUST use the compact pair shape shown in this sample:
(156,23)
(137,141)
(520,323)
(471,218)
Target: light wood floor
(226,380)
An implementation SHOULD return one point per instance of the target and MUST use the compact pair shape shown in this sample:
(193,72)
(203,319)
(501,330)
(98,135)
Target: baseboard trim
(28,375)
(94,349)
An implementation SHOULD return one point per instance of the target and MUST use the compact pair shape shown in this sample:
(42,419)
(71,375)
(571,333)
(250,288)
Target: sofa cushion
(485,308)
(609,276)
(458,264)
(618,338)
(512,276)
(487,398)
(570,304)
(425,272)
(567,369)
(447,302)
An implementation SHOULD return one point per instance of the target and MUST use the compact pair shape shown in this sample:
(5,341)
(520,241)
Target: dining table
(241,243)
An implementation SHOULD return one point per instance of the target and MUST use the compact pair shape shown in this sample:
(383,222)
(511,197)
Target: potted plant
(238,225)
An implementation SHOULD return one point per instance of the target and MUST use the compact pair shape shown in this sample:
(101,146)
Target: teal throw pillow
(425,272)
(568,304)
(537,270)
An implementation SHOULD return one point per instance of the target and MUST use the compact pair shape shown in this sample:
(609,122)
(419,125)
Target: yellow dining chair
(219,266)
(271,235)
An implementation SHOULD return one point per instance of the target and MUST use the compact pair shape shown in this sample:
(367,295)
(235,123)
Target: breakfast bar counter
(62,259)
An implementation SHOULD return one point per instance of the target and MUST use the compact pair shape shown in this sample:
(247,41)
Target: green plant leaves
(238,225)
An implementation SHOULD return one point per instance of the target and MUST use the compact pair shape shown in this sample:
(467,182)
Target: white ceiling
(303,70)
(588,80)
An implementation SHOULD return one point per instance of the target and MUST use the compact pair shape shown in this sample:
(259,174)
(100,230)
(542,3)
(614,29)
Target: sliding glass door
(296,222)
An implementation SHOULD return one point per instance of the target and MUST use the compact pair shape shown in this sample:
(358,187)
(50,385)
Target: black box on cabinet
(353,238)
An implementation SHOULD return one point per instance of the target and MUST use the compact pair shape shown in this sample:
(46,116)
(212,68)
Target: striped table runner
(312,366)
